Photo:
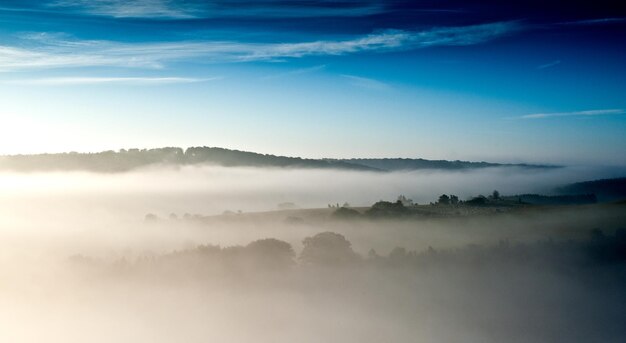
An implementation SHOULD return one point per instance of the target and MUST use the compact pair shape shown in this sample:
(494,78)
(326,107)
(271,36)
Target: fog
(79,262)
(212,190)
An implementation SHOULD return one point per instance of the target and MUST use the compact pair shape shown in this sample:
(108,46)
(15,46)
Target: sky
(538,82)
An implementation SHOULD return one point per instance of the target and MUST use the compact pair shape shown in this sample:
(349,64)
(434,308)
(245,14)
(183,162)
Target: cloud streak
(549,65)
(72,81)
(589,113)
(600,21)
(50,51)
(192,9)
(158,9)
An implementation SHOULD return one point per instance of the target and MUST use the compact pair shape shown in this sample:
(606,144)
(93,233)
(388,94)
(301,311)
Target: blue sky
(477,80)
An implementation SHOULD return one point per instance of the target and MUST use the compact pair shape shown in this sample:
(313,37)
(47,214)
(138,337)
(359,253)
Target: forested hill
(394,164)
(125,160)
(605,189)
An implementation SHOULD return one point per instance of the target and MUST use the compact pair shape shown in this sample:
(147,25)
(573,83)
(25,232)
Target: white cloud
(573,114)
(129,9)
(53,51)
(176,9)
(69,81)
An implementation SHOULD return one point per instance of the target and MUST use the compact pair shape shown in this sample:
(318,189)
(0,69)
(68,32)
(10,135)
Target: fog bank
(79,263)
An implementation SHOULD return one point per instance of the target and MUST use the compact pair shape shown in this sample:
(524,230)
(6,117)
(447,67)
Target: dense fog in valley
(315,171)
(213,190)
(152,256)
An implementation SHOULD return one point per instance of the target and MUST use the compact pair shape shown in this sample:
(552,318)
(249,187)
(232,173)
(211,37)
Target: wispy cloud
(130,9)
(186,9)
(599,21)
(365,82)
(50,51)
(573,114)
(549,65)
(71,81)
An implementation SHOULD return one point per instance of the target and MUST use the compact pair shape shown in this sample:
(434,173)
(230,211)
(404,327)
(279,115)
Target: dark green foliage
(267,254)
(386,209)
(334,250)
(327,248)
(444,200)
(605,190)
(124,160)
(346,213)
(537,199)
(477,201)
(271,252)
(394,164)
(106,161)
(454,200)
(585,255)
(232,158)
(495,195)
(604,248)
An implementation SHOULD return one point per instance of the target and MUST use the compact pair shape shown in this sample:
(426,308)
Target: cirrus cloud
(193,9)
(573,114)
(57,51)
(72,81)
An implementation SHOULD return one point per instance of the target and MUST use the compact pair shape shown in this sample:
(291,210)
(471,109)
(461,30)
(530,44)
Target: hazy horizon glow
(455,80)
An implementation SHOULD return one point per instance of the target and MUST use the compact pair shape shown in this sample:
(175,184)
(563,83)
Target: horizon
(516,83)
(277,155)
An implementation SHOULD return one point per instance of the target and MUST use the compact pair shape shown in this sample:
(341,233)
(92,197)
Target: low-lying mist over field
(212,190)
(206,253)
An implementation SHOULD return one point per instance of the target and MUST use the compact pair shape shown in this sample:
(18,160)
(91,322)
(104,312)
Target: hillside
(605,189)
(395,164)
(125,160)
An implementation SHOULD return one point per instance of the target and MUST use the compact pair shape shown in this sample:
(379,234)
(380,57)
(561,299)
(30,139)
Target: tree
(387,209)
(327,248)
(454,199)
(345,213)
(372,254)
(444,200)
(495,195)
(477,201)
(271,252)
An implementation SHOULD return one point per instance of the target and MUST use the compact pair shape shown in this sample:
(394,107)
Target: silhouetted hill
(125,160)
(605,189)
(236,158)
(396,164)
(538,199)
